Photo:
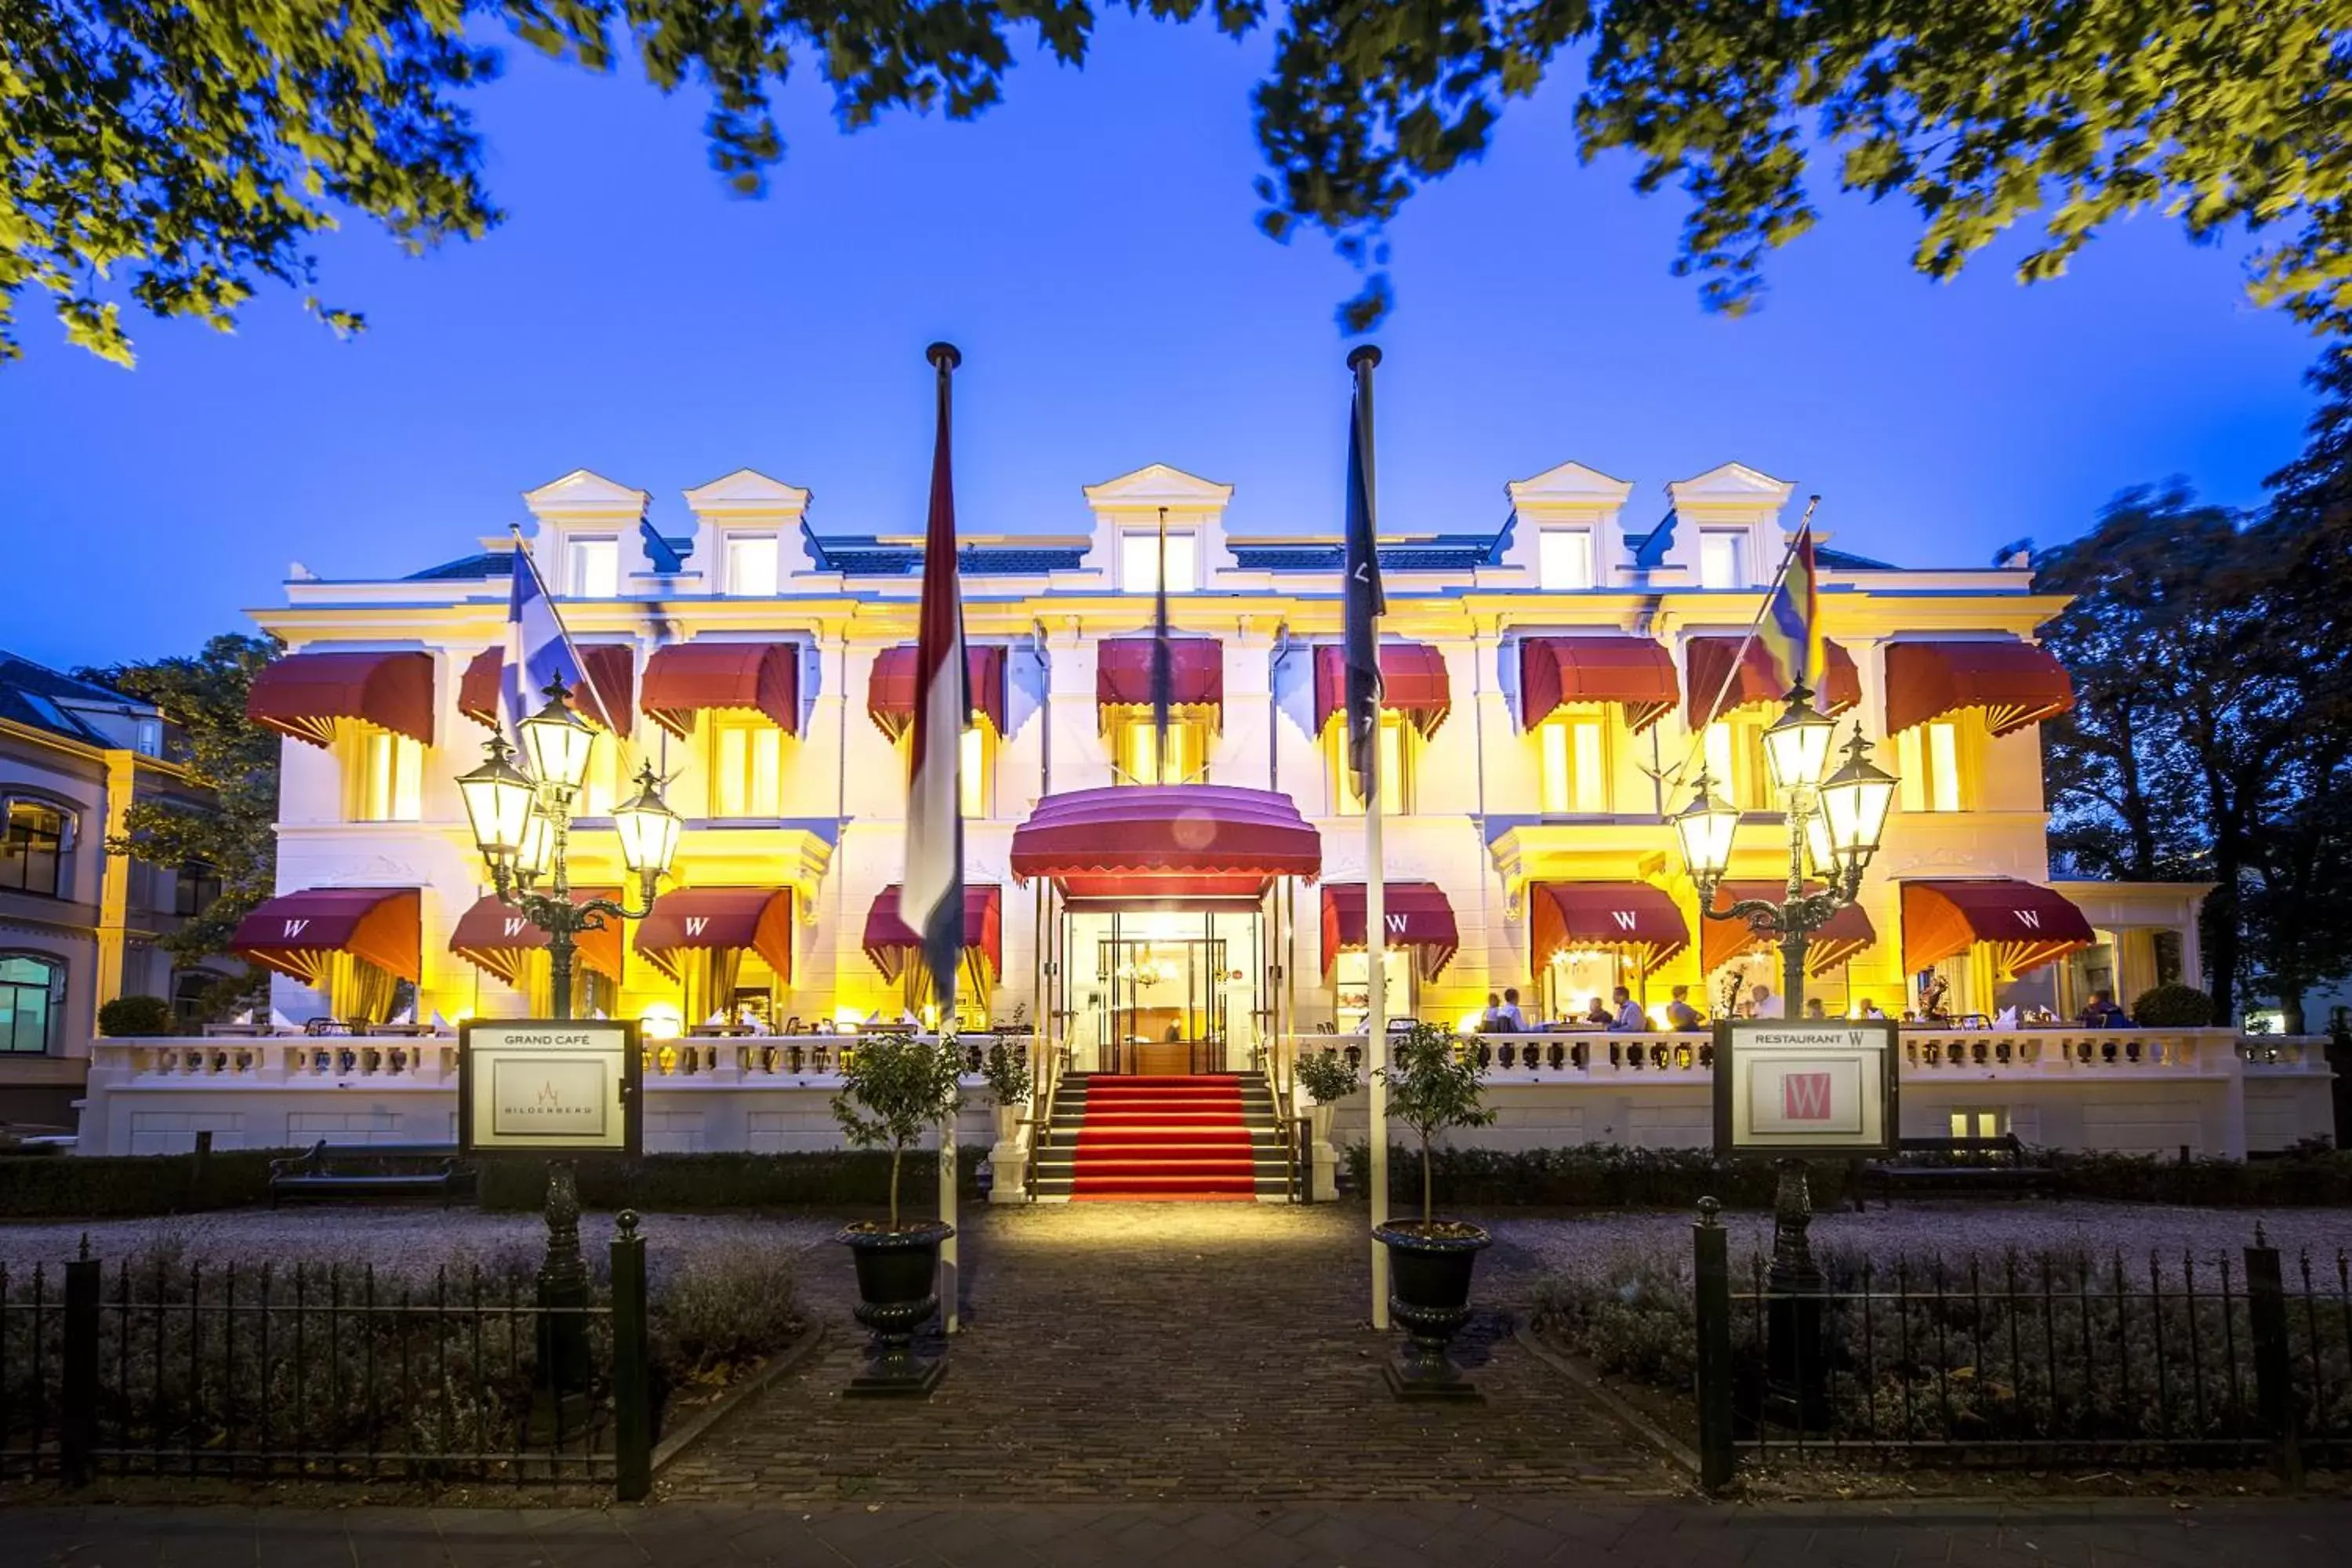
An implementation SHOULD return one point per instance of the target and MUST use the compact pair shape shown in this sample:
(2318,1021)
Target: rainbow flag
(1791,628)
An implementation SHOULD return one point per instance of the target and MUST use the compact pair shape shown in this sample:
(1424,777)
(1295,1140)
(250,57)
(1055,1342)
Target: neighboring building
(1541,678)
(78,926)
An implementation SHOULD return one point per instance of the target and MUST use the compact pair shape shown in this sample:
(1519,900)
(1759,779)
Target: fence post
(78,1395)
(632,1410)
(1711,1260)
(2275,1391)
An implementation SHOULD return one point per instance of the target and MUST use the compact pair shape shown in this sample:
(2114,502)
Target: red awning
(687,678)
(2016,683)
(612,669)
(1755,681)
(1635,671)
(2028,925)
(760,918)
(1633,918)
(1417,915)
(889,939)
(303,694)
(1413,682)
(1147,841)
(890,691)
(1721,941)
(295,933)
(497,936)
(1196,668)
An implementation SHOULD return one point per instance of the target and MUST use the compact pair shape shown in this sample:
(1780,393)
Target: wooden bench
(1955,1166)
(370,1170)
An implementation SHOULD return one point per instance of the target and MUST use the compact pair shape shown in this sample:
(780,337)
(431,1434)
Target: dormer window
(1720,562)
(753,564)
(1564,559)
(1140,557)
(592,566)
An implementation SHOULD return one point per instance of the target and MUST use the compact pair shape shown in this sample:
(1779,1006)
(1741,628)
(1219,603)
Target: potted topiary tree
(896,1088)
(1006,1069)
(1328,1078)
(132,1017)
(1431,1088)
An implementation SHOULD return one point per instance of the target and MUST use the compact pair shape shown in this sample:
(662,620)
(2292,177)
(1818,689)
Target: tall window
(752,565)
(1719,552)
(747,768)
(1564,558)
(32,847)
(32,994)
(604,784)
(972,772)
(1138,561)
(195,888)
(1734,762)
(1396,770)
(387,776)
(1575,762)
(1929,757)
(1137,759)
(593,568)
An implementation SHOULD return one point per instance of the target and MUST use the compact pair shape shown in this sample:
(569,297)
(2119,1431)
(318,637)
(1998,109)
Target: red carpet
(1163,1137)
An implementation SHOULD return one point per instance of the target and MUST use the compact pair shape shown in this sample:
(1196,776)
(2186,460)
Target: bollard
(2275,1391)
(77,1394)
(1711,1269)
(632,1412)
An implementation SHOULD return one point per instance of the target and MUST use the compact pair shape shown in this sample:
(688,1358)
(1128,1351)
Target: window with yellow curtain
(1734,761)
(1575,751)
(1929,757)
(1138,759)
(747,767)
(1396,770)
(601,788)
(971,772)
(386,774)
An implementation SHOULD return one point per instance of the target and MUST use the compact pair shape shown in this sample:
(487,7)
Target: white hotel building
(1540,679)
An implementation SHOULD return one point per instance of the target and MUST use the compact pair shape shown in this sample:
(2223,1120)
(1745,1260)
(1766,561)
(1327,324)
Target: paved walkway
(1140,1353)
(1515,1532)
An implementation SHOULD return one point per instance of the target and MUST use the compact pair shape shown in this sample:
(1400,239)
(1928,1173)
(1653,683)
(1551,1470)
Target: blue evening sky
(1090,246)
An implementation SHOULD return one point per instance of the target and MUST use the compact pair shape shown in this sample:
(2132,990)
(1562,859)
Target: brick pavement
(1210,1352)
(1518,1531)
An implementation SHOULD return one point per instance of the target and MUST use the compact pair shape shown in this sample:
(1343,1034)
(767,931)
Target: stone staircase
(1201,1137)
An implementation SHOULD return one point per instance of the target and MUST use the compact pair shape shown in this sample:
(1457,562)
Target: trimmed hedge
(123,1186)
(130,1018)
(689,1184)
(2173,1007)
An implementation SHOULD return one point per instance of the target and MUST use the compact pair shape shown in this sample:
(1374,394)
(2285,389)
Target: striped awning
(1848,932)
(756,919)
(1641,921)
(297,933)
(610,669)
(497,937)
(890,941)
(1754,681)
(2026,924)
(1196,673)
(2015,683)
(305,694)
(689,678)
(1413,683)
(891,689)
(1145,841)
(1636,672)
(1416,915)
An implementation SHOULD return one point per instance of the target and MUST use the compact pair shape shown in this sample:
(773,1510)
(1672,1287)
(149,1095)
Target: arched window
(32,996)
(35,834)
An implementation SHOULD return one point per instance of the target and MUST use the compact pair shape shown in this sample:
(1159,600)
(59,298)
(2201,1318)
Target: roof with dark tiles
(30,694)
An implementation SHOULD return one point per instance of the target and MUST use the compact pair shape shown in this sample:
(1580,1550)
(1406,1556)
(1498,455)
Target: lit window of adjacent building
(32,994)
(1575,750)
(593,568)
(32,847)
(387,775)
(753,564)
(1137,757)
(1396,770)
(747,767)
(1720,553)
(1928,758)
(1564,559)
(1980,1121)
(1138,561)
(1736,765)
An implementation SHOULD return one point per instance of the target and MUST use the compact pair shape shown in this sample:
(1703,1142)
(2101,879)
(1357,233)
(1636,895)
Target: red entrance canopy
(1635,671)
(497,936)
(295,933)
(760,918)
(303,694)
(686,678)
(1632,918)
(2028,925)
(1152,841)
(1755,680)
(889,939)
(891,689)
(1413,682)
(1721,941)
(2016,683)
(1196,670)
(611,667)
(1417,915)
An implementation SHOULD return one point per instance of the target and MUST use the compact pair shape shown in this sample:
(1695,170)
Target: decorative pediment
(746,492)
(583,492)
(1572,486)
(1158,485)
(1730,487)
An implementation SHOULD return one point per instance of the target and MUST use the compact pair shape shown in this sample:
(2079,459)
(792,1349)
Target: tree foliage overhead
(178,155)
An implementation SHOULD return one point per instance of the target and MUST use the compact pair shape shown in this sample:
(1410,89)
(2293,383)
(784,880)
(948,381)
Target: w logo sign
(2030,918)
(696,924)
(514,925)
(1805,1097)
(1626,919)
(294,928)
(1397,924)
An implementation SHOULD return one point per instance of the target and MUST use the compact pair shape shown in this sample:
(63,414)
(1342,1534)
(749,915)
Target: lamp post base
(1796,1378)
(564,1286)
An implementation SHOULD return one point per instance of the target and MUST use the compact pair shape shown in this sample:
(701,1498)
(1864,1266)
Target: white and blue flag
(539,650)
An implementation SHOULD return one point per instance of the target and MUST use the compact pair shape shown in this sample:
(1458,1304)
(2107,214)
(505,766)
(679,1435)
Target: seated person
(2103,1013)
(1680,1014)
(1629,1016)
(1597,1012)
(1870,1009)
(1814,1008)
(1510,1020)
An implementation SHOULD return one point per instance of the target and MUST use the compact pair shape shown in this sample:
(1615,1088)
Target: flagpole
(1697,740)
(1376,1022)
(944,358)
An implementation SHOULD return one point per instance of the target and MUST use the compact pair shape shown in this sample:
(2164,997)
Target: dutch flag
(539,650)
(931,898)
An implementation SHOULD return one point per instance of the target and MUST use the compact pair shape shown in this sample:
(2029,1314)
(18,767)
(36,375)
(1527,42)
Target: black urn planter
(1429,1296)
(898,1292)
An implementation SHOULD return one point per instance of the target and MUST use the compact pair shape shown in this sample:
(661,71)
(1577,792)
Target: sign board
(1818,1087)
(548,1086)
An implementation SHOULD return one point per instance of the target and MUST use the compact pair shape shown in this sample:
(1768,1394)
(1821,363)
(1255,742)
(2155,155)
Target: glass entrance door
(1157,990)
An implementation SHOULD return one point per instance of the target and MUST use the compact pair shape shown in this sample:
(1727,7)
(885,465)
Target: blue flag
(1363,601)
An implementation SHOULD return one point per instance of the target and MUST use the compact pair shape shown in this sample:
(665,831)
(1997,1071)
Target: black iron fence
(2166,1358)
(322,1372)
